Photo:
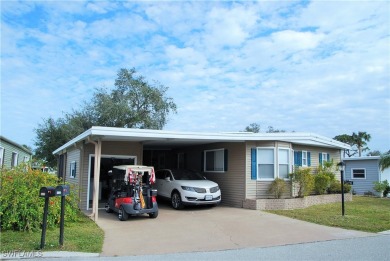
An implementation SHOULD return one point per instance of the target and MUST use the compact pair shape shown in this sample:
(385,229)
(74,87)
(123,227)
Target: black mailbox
(62,190)
(46,192)
(349,182)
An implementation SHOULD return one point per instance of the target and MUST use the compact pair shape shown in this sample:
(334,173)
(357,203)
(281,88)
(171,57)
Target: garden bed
(293,203)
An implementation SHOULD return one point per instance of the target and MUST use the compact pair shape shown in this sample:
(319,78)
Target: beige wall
(73,156)
(259,189)
(232,181)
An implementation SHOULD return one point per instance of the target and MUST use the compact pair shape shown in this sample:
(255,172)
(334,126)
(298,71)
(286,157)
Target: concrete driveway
(208,229)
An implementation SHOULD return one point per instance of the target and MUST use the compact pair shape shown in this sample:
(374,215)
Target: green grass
(82,236)
(363,213)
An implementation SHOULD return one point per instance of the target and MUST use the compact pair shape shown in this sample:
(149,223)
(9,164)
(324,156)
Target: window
(14,159)
(1,156)
(323,157)
(215,160)
(265,163)
(304,158)
(358,173)
(283,160)
(72,169)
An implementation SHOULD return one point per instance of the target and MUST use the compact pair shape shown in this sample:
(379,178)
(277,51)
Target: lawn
(82,236)
(368,214)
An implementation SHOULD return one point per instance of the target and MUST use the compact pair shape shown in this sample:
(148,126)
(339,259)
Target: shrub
(21,208)
(321,183)
(386,191)
(335,187)
(277,187)
(380,187)
(304,179)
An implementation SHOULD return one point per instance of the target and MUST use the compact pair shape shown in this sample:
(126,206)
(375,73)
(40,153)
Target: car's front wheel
(176,201)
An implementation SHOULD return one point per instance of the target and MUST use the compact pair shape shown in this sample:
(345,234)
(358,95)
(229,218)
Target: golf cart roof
(134,167)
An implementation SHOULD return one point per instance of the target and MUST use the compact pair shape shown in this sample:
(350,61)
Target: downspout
(96,178)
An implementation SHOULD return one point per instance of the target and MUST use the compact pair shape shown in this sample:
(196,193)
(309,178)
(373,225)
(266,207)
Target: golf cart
(131,191)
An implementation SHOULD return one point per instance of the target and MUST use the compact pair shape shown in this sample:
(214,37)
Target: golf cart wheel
(107,208)
(176,201)
(122,215)
(153,215)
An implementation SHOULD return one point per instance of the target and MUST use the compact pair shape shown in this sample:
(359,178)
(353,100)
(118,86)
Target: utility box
(47,192)
(62,190)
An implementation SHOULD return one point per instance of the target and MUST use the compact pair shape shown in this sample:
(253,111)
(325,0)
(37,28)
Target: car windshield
(180,174)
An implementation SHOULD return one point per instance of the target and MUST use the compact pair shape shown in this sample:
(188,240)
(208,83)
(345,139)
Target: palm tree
(361,139)
(384,162)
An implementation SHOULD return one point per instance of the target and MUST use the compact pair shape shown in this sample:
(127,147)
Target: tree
(253,127)
(27,147)
(384,161)
(51,134)
(374,153)
(133,103)
(356,141)
(272,130)
(361,139)
(348,139)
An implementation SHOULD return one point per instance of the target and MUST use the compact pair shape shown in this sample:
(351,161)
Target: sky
(307,66)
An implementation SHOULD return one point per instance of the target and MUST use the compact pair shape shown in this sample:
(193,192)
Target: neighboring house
(363,171)
(242,163)
(12,154)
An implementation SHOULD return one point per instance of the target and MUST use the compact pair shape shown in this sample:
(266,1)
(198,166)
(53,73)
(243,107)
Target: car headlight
(193,189)
(214,189)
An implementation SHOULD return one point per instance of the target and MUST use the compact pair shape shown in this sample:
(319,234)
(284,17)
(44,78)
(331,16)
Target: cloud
(295,41)
(227,64)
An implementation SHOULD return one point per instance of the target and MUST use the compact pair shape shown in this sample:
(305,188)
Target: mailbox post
(62,190)
(45,192)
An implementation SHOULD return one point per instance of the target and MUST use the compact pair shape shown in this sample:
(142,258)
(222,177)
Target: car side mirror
(167,179)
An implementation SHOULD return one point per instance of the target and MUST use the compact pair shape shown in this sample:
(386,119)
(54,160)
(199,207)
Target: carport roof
(171,139)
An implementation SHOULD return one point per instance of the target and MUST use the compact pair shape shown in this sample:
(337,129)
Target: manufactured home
(12,153)
(242,163)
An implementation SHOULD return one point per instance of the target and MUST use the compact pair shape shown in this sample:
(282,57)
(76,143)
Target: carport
(152,143)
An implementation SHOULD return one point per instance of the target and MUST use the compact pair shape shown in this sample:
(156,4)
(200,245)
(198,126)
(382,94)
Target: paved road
(363,248)
(367,248)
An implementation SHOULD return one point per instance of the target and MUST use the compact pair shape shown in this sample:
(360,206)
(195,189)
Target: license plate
(208,197)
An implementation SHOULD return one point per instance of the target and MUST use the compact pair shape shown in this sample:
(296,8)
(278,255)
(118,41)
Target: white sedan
(185,187)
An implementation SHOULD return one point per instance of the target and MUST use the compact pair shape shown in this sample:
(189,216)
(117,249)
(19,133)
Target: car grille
(214,189)
(200,190)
